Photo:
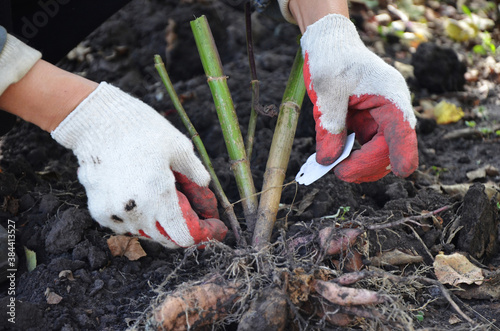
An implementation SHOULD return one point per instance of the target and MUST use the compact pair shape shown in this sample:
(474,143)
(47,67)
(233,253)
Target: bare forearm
(46,95)
(306,12)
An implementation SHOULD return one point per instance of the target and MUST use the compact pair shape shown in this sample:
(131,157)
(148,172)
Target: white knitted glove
(353,89)
(130,160)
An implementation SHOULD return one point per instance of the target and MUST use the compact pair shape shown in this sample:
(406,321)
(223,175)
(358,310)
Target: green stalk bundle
(195,137)
(227,116)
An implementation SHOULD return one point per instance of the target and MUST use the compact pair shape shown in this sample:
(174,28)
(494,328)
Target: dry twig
(410,219)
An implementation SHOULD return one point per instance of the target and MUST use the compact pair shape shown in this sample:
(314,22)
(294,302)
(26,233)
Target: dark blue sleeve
(3,37)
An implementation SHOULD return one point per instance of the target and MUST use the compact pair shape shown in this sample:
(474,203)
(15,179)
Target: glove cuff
(285,11)
(16,59)
(336,30)
(338,60)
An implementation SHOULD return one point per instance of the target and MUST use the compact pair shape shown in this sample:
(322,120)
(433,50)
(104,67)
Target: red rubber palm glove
(354,90)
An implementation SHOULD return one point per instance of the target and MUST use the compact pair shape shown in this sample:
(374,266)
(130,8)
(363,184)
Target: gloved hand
(130,160)
(353,89)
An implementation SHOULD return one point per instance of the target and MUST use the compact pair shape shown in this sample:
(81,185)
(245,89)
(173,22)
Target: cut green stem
(279,155)
(195,137)
(227,117)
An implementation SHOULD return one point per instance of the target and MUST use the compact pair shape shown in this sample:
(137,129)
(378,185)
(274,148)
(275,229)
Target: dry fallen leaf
(454,319)
(446,112)
(476,174)
(489,290)
(66,274)
(460,30)
(52,297)
(126,246)
(487,170)
(307,201)
(456,269)
(460,190)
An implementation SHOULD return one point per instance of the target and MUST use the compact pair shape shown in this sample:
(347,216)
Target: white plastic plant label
(312,170)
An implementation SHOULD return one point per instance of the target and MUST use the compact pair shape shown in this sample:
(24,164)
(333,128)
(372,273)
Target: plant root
(298,283)
(347,296)
(334,241)
(268,311)
(195,306)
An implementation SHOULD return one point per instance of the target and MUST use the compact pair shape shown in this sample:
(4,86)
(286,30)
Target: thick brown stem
(279,155)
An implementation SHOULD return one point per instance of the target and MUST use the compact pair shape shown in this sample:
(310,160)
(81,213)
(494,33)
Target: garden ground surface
(41,193)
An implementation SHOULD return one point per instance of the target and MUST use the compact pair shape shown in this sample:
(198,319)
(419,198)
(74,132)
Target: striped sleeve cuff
(285,11)
(16,59)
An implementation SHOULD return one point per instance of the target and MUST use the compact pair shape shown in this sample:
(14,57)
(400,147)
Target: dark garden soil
(40,192)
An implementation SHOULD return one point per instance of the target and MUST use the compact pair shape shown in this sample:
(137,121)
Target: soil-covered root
(195,306)
(268,311)
(347,296)
(339,319)
(346,315)
(279,288)
(335,241)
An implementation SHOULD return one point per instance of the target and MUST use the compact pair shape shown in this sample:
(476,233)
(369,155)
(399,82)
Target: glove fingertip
(201,198)
(329,147)
(404,167)
(341,174)
(200,230)
(325,157)
(216,228)
(209,212)
(348,175)
(368,164)
(404,153)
